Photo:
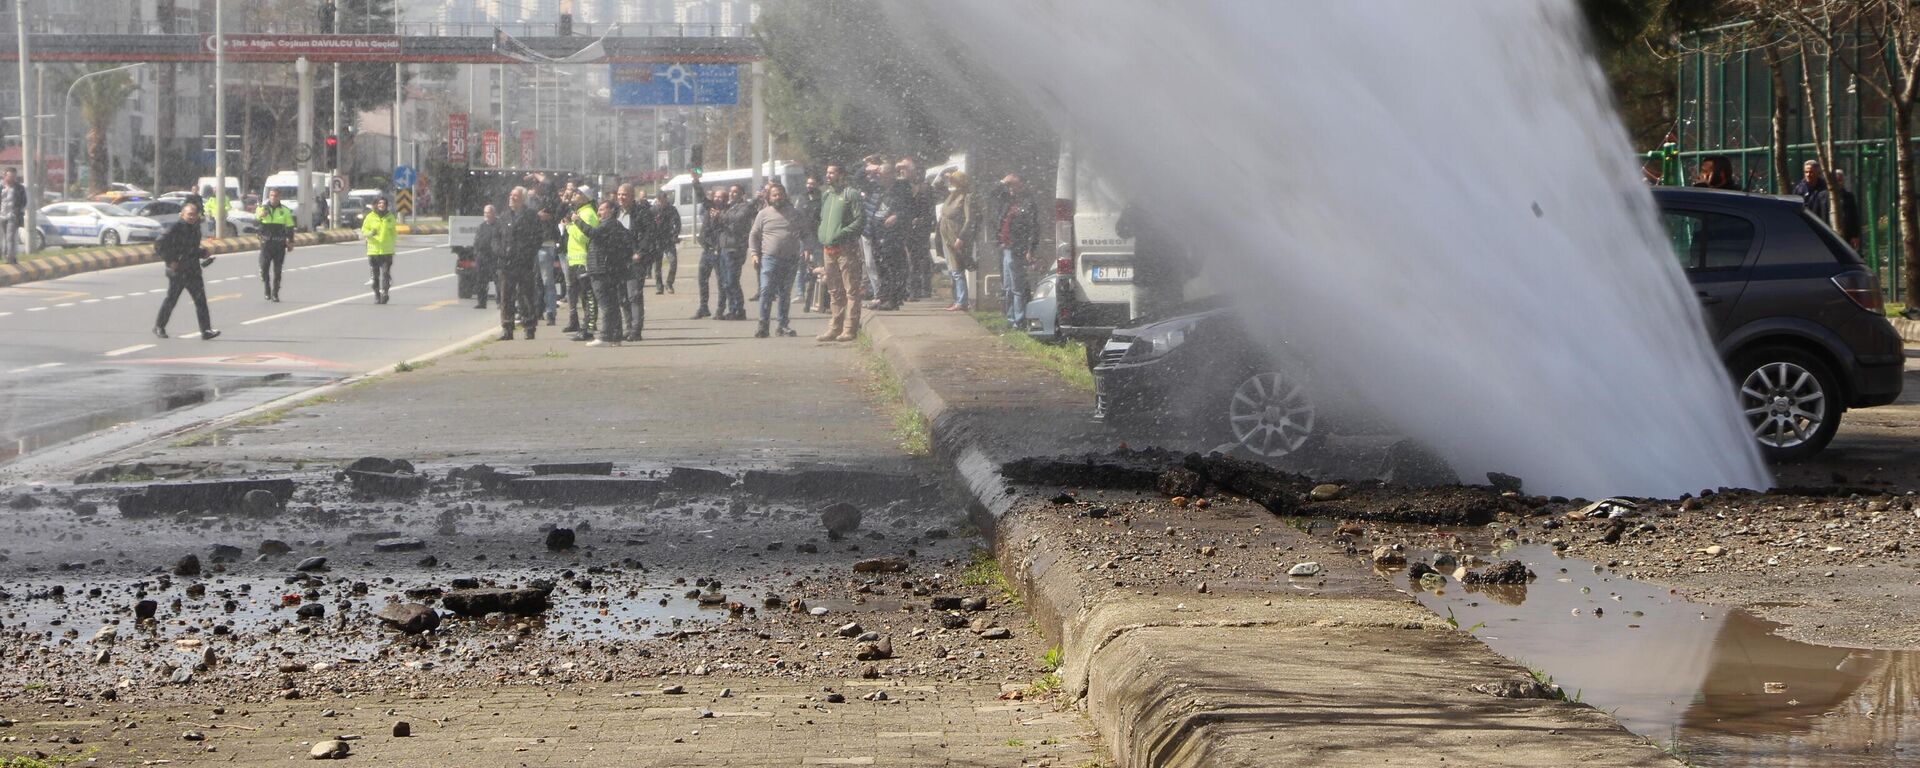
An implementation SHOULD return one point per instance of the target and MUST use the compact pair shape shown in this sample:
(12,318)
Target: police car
(91,223)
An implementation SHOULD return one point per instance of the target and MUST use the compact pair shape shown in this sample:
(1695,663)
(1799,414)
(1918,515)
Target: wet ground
(692,583)
(1714,685)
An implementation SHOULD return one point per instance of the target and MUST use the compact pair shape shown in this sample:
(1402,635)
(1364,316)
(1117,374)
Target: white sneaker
(599,343)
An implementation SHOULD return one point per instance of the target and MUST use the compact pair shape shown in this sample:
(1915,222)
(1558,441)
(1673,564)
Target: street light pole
(27,116)
(66,114)
(219,120)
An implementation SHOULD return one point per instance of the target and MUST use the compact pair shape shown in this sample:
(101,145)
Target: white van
(793,176)
(288,183)
(233,186)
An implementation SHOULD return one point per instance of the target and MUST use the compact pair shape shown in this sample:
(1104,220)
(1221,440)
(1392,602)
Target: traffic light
(333,151)
(695,155)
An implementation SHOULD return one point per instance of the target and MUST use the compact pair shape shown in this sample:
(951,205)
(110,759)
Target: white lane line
(36,367)
(90,301)
(355,297)
(36,309)
(5,314)
(63,304)
(129,350)
(121,296)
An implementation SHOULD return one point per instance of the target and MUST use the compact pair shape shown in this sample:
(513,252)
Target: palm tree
(101,99)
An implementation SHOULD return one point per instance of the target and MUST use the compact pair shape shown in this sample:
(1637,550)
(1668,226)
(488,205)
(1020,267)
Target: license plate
(1112,274)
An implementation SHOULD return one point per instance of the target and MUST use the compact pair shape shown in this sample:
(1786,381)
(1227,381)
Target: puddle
(1713,684)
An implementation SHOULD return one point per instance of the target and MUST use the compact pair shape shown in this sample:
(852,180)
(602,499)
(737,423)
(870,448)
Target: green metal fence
(1725,107)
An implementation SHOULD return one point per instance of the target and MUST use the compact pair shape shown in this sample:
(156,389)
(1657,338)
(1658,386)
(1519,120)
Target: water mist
(1436,197)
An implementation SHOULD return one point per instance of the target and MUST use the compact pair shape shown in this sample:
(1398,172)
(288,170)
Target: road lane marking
(36,309)
(441,304)
(36,367)
(90,301)
(129,350)
(4,314)
(67,304)
(343,300)
(222,297)
(121,296)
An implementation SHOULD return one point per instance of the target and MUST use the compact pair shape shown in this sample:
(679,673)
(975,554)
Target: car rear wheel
(1268,414)
(110,237)
(1791,402)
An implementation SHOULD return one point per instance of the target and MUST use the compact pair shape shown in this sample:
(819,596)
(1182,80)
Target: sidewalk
(1242,668)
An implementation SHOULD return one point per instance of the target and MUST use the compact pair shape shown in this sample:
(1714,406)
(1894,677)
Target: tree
(1885,59)
(844,83)
(101,98)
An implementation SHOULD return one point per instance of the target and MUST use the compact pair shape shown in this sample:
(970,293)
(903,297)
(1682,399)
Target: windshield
(110,209)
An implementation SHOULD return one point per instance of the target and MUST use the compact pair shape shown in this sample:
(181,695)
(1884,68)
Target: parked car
(42,235)
(163,212)
(89,223)
(1794,313)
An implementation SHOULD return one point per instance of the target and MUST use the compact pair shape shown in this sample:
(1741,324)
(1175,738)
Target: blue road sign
(667,85)
(403,176)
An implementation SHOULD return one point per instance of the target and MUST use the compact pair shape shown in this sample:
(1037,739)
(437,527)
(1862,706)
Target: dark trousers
(666,264)
(483,275)
(919,266)
(273,257)
(636,309)
(382,267)
(710,266)
(607,288)
(891,262)
(733,301)
(519,294)
(185,280)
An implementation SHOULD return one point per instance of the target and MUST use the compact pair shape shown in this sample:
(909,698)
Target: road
(79,356)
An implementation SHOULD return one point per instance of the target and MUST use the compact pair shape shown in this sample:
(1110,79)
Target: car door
(67,227)
(1716,247)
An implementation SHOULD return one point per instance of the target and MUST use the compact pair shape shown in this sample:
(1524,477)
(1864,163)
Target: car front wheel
(110,237)
(1268,414)
(1791,402)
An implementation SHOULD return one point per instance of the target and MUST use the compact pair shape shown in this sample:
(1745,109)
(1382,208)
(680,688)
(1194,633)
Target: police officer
(580,299)
(276,241)
(380,230)
(180,250)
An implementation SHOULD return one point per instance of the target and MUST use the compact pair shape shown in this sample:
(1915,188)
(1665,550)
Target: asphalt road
(78,354)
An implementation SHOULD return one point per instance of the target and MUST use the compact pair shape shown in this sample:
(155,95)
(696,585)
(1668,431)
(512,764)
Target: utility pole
(758,151)
(27,116)
(397,95)
(333,195)
(303,69)
(219,120)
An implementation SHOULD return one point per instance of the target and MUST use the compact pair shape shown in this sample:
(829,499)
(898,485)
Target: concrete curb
(1216,683)
(62,265)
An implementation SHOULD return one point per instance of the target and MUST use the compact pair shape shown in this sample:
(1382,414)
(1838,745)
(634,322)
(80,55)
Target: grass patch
(1015,743)
(1068,360)
(910,427)
(1052,659)
(985,571)
(409,367)
(1043,686)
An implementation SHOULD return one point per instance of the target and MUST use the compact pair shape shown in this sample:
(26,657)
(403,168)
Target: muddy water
(1712,684)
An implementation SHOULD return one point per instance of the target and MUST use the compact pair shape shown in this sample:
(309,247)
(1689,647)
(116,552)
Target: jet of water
(1436,197)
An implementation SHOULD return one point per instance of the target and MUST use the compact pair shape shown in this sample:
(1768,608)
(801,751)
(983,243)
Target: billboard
(671,85)
(457,138)
(490,149)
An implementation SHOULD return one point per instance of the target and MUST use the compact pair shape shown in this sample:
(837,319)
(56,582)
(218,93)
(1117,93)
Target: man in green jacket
(276,241)
(842,216)
(380,230)
(580,300)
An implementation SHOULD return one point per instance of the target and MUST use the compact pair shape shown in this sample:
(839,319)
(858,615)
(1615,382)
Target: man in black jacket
(489,254)
(13,213)
(180,250)
(609,256)
(636,216)
(519,275)
(666,244)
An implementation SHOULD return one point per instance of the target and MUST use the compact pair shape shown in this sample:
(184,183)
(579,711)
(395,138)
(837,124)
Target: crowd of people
(1717,172)
(840,245)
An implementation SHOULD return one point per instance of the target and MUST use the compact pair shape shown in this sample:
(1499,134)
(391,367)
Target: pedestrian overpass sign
(670,85)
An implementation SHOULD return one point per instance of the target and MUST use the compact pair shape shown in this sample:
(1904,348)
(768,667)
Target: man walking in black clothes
(180,250)
(519,276)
